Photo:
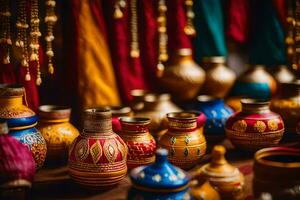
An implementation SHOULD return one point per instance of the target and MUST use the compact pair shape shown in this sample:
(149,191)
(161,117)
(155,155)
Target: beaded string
(5,38)
(35,34)
(289,40)
(162,37)
(134,46)
(189,28)
(50,21)
(119,5)
(21,40)
(296,64)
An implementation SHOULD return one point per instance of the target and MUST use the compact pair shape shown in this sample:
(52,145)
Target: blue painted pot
(160,180)
(216,112)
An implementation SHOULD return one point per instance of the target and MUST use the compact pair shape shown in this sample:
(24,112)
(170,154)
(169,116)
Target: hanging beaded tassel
(5,38)
(134,47)
(50,21)
(189,28)
(296,65)
(119,5)
(35,34)
(289,40)
(21,40)
(162,37)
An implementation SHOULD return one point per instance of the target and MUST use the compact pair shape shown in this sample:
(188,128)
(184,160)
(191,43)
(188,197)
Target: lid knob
(161,155)
(218,155)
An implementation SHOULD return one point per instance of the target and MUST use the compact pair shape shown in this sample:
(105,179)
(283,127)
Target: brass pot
(156,107)
(137,102)
(227,179)
(183,78)
(277,171)
(204,191)
(219,78)
(287,104)
(282,74)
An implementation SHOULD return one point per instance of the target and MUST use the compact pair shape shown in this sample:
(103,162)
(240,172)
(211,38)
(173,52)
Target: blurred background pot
(137,102)
(277,171)
(117,112)
(282,74)
(204,191)
(219,78)
(56,129)
(255,127)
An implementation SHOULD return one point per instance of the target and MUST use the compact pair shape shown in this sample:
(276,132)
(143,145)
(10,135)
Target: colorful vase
(183,78)
(117,112)
(287,104)
(17,166)
(141,144)
(160,180)
(185,142)
(204,191)
(276,171)
(137,102)
(219,78)
(156,107)
(21,121)
(216,113)
(56,129)
(255,83)
(97,157)
(227,179)
(255,127)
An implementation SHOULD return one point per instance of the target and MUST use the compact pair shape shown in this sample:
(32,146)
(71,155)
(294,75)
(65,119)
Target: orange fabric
(96,81)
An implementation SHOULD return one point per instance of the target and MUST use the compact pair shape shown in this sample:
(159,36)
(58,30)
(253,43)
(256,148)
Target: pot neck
(135,127)
(97,122)
(255,107)
(15,100)
(183,122)
(209,101)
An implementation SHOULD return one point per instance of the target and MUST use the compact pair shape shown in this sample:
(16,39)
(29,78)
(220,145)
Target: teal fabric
(267,39)
(209,24)
(252,90)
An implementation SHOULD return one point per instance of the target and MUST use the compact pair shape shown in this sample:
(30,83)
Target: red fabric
(176,21)
(7,74)
(129,71)
(16,161)
(149,40)
(238,20)
(280,7)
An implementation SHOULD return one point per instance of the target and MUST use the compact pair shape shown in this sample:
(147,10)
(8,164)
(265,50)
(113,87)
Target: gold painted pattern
(240,126)
(260,126)
(110,149)
(82,150)
(272,125)
(96,151)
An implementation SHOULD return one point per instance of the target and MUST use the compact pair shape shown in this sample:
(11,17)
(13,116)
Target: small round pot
(58,132)
(255,127)
(186,144)
(141,144)
(117,112)
(137,102)
(277,172)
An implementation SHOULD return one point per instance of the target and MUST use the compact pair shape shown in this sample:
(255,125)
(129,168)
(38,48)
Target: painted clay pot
(160,180)
(277,172)
(219,78)
(204,191)
(117,112)
(141,144)
(255,83)
(216,113)
(183,139)
(234,103)
(282,74)
(183,78)
(287,104)
(137,102)
(255,127)
(97,157)
(21,121)
(225,178)
(56,129)
(156,107)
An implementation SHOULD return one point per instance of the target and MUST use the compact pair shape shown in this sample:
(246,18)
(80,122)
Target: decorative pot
(186,143)
(276,171)
(137,102)
(255,83)
(227,179)
(97,157)
(234,103)
(183,78)
(287,104)
(117,112)
(216,113)
(56,129)
(255,127)
(204,191)
(156,107)
(17,165)
(21,121)
(283,74)
(141,144)
(160,180)
(219,78)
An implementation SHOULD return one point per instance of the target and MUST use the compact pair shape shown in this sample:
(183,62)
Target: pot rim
(10,90)
(251,101)
(271,151)
(151,97)
(183,115)
(54,108)
(138,92)
(206,98)
(101,112)
(135,120)
(120,110)
(214,59)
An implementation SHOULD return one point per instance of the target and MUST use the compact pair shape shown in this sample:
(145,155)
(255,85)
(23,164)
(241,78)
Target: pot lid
(219,167)
(160,176)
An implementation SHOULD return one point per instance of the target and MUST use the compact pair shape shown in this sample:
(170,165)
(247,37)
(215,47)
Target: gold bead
(27,77)
(163,57)
(189,30)
(38,81)
(50,69)
(135,53)
(34,57)
(24,63)
(160,70)
(6,60)
(118,14)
